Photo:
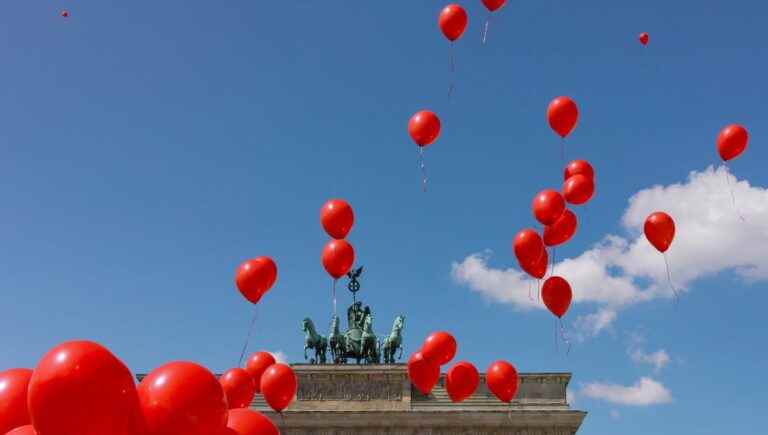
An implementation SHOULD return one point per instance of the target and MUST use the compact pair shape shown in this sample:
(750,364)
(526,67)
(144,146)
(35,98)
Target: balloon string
(334,296)
(562,150)
(733,195)
(485,27)
(538,290)
(564,337)
(557,346)
(669,277)
(453,71)
(554,257)
(530,290)
(248,337)
(423,169)
(282,418)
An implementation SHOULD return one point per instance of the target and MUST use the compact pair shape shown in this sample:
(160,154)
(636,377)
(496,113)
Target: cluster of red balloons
(338,256)
(549,208)
(462,379)
(81,388)
(424,366)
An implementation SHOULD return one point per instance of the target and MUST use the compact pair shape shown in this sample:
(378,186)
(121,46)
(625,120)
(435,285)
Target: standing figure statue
(337,343)
(370,343)
(315,341)
(394,341)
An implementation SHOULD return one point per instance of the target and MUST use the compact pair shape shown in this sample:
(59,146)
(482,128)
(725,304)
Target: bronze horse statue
(394,341)
(370,344)
(315,341)
(337,342)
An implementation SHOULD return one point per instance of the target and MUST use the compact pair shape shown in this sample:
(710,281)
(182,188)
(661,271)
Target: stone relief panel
(351,387)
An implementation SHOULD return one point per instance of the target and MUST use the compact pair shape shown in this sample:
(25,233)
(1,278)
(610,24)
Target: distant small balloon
(424,127)
(578,189)
(643,38)
(576,167)
(732,141)
(557,295)
(452,21)
(539,268)
(65,14)
(562,115)
(659,229)
(547,206)
(562,230)
(494,5)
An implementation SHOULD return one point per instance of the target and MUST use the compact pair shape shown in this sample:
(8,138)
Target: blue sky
(146,148)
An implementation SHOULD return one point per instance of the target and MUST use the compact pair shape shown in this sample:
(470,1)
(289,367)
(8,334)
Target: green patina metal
(359,342)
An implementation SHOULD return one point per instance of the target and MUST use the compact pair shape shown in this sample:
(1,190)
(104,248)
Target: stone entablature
(378,399)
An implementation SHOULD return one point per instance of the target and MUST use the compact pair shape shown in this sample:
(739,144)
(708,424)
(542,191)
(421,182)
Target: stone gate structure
(379,399)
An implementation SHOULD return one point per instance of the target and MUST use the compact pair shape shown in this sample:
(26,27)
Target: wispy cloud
(612,273)
(644,392)
(280,357)
(615,414)
(658,359)
(570,397)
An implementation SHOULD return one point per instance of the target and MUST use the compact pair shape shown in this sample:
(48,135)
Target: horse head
(368,323)
(399,323)
(307,325)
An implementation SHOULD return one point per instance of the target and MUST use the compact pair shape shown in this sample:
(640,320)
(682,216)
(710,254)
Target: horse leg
(305,351)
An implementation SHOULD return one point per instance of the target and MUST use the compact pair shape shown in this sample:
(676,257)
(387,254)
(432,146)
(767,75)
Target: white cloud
(280,357)
(570,397)
(710,238)
(644,392)
(657,359)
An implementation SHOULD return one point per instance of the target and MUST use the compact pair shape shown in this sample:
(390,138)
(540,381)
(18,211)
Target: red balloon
(659,230)
(182,397)
(494,5)
(452,21)
(461,381)
(556,293)
(249,422)
(528,247)
(578,167)
(255,277)
(423,373)
(239,388)
(501,378)
(257,364)
(548,205)
(732,141)
(562,115)
(539,269)
(439,347)
(65,14)
(643,38)
(13,398)
(80,388)
(338,257)
(578,189)
(278,386)
(337,218)
(23,430)
(424,127)
(560,231)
